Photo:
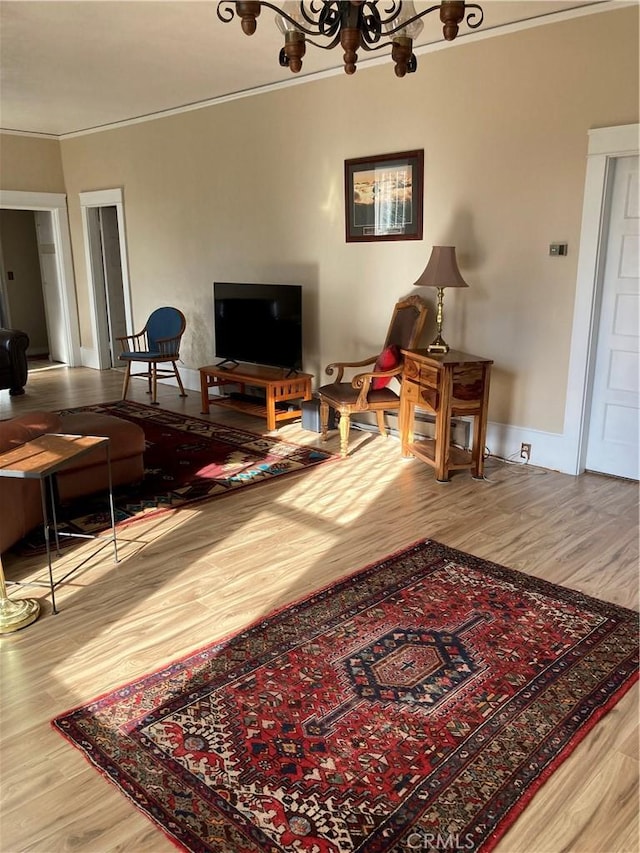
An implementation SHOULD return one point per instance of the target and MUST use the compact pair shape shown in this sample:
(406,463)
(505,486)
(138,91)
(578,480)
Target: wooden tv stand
(279,389)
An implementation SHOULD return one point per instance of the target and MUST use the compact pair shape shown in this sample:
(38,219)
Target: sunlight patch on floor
(39,367)
(341,496)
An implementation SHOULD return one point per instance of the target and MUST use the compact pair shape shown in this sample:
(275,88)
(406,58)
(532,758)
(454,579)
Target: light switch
(558,248)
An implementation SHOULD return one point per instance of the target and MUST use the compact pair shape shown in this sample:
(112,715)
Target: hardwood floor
(189,578)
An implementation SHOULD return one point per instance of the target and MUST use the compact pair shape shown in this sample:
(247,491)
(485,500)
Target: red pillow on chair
(387,360)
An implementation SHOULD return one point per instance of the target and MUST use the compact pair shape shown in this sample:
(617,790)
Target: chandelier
(369,25)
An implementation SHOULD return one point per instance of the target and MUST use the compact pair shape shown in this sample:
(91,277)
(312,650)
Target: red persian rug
(186,459)
(417,704)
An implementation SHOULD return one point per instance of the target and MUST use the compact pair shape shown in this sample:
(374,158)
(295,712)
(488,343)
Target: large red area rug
(186,459)
(418,704)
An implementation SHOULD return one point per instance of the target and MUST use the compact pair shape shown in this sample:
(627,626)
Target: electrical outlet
(525,451)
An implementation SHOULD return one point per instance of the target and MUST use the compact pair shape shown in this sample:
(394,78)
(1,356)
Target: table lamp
(441,271)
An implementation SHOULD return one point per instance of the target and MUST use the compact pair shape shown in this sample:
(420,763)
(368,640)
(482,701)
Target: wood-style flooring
(194,576)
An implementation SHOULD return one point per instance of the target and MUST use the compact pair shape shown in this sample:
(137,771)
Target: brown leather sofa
(20,499)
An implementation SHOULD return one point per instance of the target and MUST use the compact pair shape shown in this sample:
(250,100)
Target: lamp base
(438,346)
(17,614)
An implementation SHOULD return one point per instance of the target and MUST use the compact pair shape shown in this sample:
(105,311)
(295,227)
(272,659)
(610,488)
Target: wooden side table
(40,459)
(448,385)
(281,389)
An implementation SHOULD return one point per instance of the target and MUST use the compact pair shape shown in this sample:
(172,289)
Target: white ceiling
(74,65)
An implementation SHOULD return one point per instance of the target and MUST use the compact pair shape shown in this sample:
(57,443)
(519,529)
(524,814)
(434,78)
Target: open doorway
(23,303)
(42,299)
(107,272)
(106,265)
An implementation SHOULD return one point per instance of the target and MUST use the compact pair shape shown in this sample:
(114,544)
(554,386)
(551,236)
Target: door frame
(605,145)
(88,200)
(56,205)
(5,310)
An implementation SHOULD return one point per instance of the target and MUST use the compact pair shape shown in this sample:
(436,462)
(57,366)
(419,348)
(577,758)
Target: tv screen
(258,323)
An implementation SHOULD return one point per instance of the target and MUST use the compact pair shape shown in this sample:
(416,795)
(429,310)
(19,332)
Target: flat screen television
(258,323)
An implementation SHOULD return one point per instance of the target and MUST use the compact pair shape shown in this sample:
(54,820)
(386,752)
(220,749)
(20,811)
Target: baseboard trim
(548,450)
(424,425)
(89,358)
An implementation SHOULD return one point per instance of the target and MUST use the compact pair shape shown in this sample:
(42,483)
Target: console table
(41,459)
(283,393)
(452,384)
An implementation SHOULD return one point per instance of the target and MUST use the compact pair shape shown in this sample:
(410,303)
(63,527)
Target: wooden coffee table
(40,459)
(282,392)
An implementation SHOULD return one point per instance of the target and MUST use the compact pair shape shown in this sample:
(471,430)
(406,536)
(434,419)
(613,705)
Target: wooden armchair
(368,392)
(157,343)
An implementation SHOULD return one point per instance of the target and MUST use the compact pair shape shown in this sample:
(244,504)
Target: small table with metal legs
(41,459)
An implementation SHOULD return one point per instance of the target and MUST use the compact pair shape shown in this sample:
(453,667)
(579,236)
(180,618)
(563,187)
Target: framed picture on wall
(383,197)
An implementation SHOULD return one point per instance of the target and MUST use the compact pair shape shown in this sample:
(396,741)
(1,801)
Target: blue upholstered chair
(158,343)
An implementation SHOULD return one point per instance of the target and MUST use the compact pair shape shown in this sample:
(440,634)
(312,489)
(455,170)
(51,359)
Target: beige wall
(253,190)
(29,164)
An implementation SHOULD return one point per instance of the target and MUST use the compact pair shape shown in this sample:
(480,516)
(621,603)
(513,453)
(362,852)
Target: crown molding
(598,7)
(31,133)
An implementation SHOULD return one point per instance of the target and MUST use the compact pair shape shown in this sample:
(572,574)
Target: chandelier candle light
(441,271)
(353,24)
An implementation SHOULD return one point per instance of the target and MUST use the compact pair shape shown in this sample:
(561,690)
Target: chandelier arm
(474,17)
(227,10)
(372,48)
(328,46)
(372,20)
(324,17)
(474,11)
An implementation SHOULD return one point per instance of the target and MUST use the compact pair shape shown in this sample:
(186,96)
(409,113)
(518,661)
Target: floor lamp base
(17,614)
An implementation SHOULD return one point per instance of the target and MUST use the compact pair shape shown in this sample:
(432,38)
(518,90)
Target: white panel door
(614,439)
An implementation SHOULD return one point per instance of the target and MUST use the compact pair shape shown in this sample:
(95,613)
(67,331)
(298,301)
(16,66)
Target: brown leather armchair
(368,392)
(13,360)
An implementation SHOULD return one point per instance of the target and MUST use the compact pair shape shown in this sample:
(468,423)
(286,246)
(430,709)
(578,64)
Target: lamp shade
(442,269)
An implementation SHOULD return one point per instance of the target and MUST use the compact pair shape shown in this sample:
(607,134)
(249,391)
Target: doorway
(612,440)
(107,272)
(106,264)
(57,287)
(588,372)
(23,297)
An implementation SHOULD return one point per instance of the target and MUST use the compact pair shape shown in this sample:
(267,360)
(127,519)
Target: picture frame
(384,196)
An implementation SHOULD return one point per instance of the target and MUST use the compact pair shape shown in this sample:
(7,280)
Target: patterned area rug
(186,459)
(418,704)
